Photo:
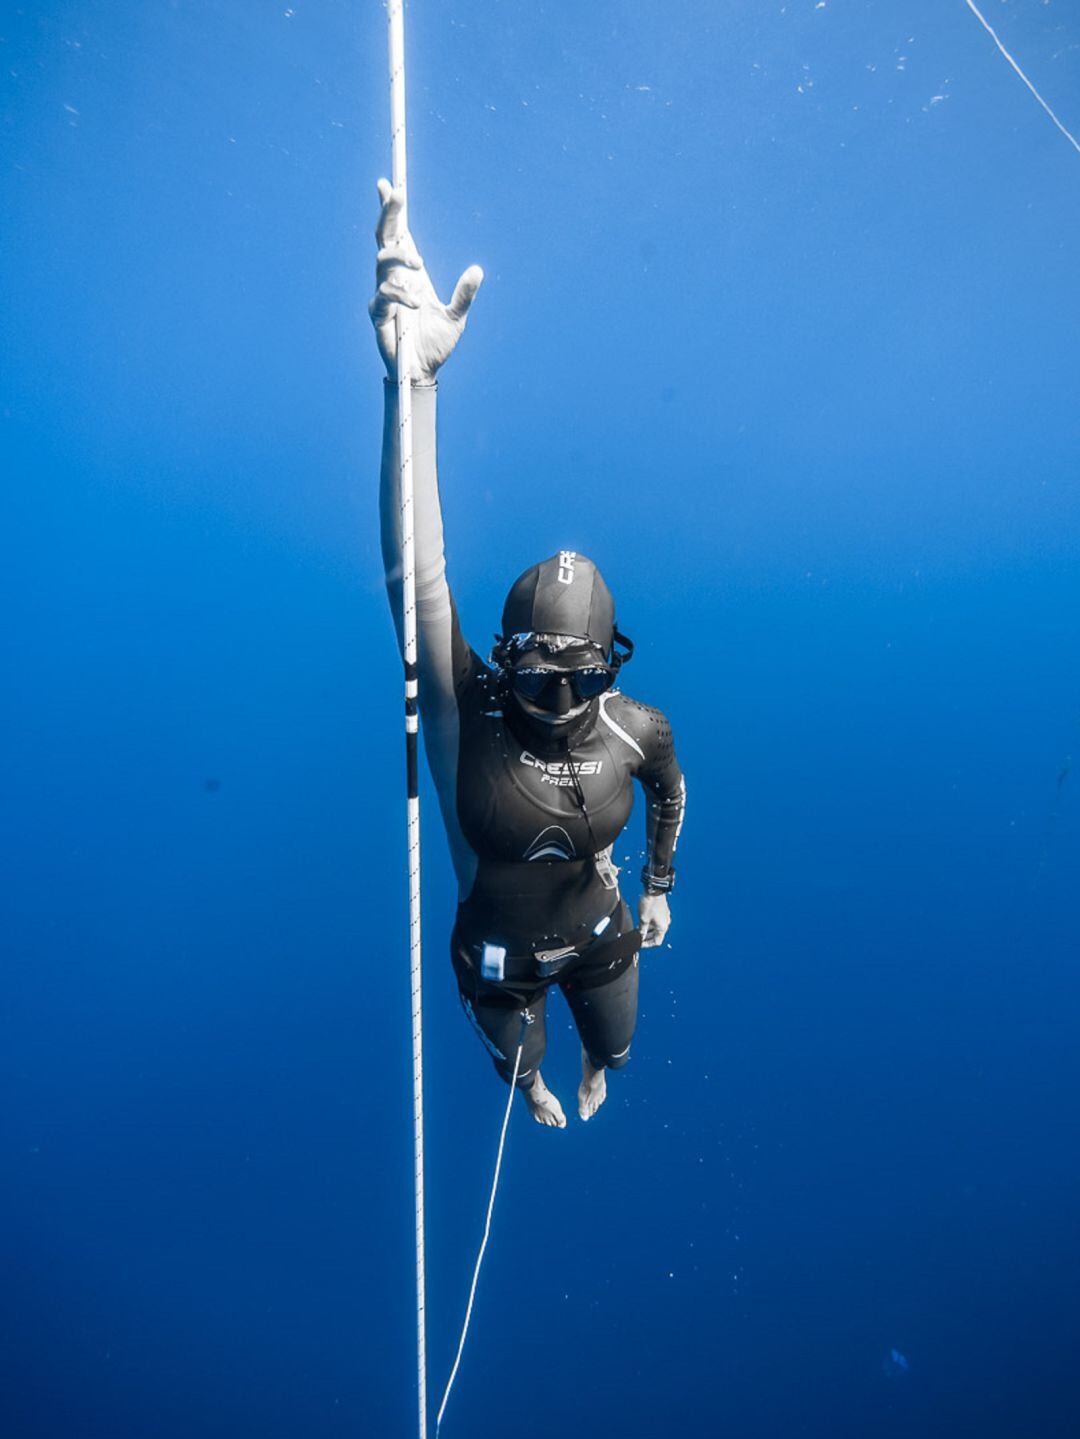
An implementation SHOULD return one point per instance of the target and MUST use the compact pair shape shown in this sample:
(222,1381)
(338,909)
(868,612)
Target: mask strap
(620,639)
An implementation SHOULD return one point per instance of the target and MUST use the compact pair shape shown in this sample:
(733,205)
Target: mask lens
(530,683)
(591,682)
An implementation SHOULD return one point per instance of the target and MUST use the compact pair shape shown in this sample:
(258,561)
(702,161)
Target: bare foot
(543,1106)
(593,1089)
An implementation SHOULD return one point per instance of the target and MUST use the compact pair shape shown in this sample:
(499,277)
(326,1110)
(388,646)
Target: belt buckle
(550,961)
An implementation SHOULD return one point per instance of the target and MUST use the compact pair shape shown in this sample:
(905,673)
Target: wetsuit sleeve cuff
(657,883)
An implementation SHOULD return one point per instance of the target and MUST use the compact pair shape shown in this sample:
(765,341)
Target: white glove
(402,280)
(654,919)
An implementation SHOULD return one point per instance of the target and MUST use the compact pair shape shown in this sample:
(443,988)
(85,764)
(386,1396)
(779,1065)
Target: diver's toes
(591,1095)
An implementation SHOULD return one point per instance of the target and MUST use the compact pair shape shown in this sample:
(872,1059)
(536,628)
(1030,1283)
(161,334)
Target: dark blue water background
(780,326)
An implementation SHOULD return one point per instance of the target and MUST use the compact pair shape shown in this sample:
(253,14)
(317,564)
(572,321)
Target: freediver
(532,755)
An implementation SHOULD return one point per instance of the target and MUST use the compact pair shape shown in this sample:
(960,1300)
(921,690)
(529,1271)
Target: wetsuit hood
(563,595)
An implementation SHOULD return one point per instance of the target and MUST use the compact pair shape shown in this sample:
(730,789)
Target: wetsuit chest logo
(552,843)
(559,771)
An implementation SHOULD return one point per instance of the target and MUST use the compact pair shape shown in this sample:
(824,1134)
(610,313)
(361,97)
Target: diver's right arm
(435,329)
(443,658)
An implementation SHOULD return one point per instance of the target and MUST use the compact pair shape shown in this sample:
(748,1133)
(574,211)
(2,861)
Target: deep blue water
(788,345)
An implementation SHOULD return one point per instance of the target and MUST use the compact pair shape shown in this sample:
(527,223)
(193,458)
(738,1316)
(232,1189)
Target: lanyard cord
(572,767)
(526,1020)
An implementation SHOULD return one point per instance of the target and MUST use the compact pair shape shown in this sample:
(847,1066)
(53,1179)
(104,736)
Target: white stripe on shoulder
(618,729)
(682,814)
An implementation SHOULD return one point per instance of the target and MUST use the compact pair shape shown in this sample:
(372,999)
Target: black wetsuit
(530,818)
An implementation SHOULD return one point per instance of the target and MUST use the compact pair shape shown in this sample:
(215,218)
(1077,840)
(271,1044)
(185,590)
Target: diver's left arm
(662,779)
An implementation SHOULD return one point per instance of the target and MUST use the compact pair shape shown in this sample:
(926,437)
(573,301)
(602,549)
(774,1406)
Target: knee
(611,1061)
(526,1077)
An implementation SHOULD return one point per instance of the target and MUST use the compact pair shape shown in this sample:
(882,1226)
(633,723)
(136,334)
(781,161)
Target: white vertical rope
(396,34)
(487,1231)
(418,1111)
(404,351)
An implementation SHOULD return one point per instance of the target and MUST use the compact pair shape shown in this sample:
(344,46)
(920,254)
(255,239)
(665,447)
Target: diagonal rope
(994,36)
(487,1228)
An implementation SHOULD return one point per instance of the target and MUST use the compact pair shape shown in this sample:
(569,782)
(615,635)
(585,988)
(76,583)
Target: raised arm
(443,657)
(401,279)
